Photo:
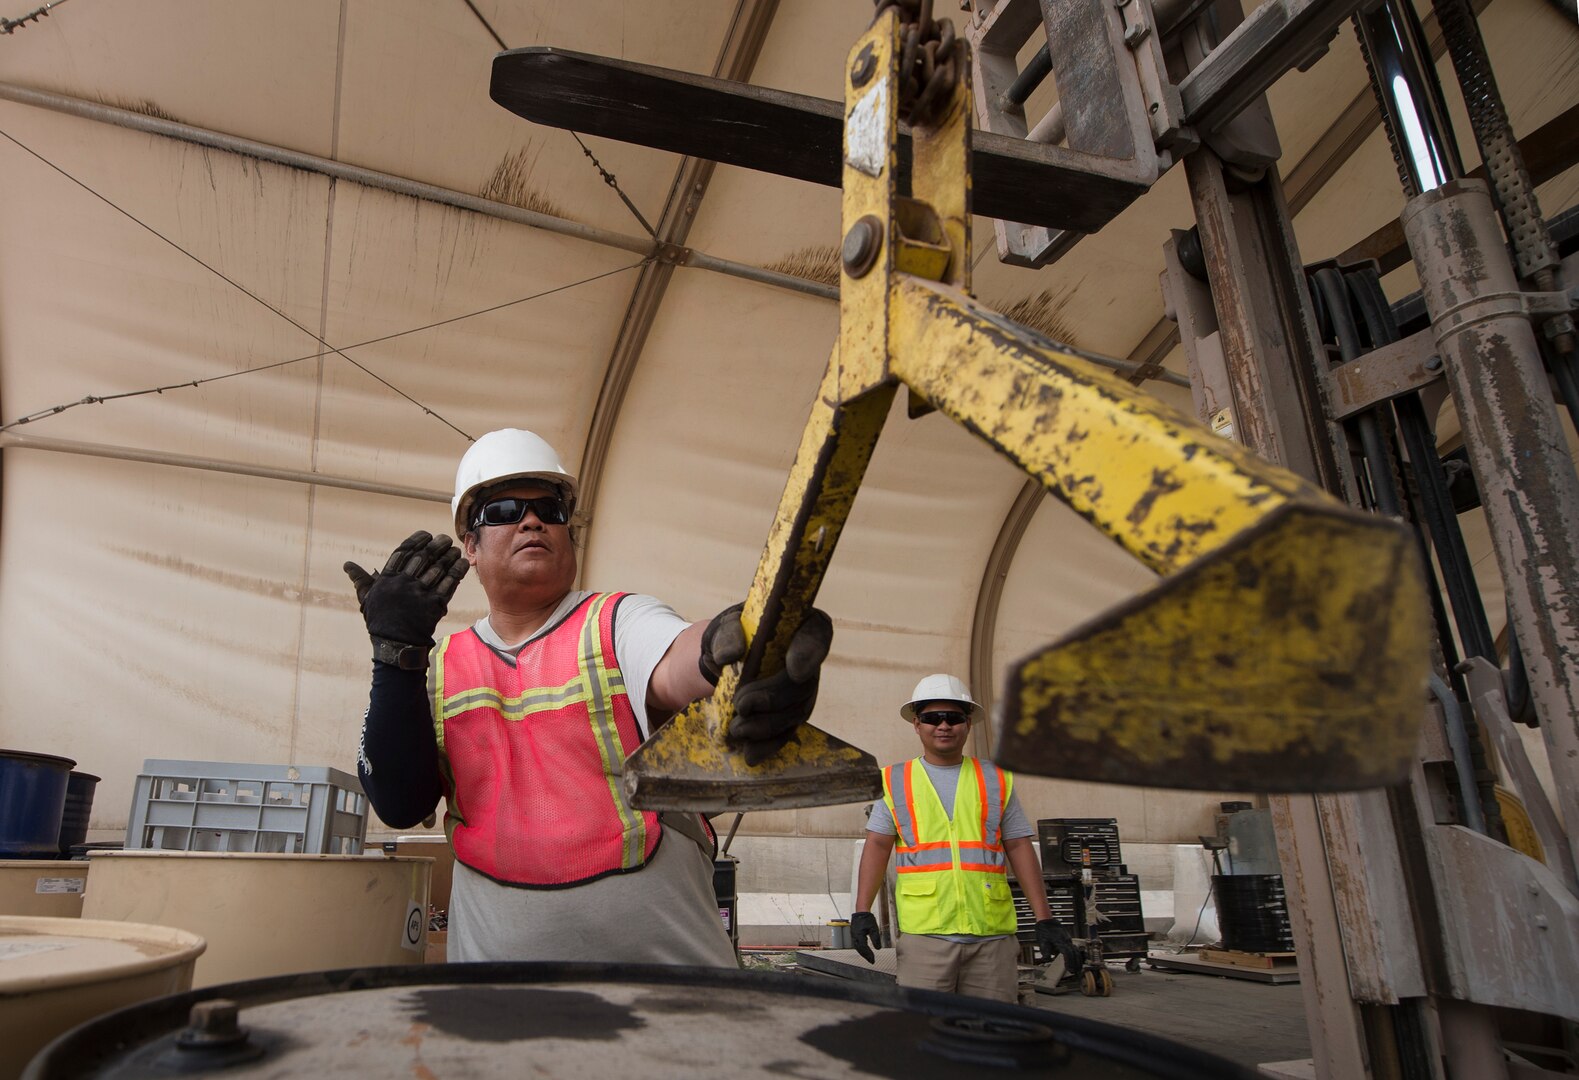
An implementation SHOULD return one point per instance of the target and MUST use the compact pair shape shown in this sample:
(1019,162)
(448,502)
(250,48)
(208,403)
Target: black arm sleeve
(399,761)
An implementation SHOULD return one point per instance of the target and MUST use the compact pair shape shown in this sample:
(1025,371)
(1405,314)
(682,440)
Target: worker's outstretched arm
(874,867)
(769,708)
(679,678)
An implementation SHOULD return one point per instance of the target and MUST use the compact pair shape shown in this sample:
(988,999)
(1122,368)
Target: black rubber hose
(1378,460)
(1436,510)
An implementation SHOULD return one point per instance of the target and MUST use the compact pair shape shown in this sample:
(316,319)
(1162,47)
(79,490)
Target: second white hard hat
(500,456)
(939,687)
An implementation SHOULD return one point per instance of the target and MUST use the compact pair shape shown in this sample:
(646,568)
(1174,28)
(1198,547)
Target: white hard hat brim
(908,709)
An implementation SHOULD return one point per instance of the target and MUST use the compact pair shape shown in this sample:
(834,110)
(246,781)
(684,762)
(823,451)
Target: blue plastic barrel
(32,799)
(79,804)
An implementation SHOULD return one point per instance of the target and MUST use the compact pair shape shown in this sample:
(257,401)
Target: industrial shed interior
(266,270)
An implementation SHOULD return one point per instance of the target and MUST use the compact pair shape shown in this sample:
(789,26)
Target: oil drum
(583,1020)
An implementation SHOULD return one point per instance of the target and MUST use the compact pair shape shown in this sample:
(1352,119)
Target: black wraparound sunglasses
(932,719)
(550,510)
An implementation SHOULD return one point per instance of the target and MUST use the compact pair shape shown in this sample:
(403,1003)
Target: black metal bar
(1026,82)
(757,127)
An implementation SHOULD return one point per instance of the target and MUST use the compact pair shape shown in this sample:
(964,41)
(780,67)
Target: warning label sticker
(415,935)
(60,884)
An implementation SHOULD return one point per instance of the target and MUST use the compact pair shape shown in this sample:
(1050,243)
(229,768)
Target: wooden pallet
(1264,961)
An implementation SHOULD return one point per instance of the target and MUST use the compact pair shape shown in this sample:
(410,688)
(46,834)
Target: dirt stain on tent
(511,182)
(142,106)
(819,263)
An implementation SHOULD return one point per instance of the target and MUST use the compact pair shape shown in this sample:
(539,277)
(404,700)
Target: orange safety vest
(532,752)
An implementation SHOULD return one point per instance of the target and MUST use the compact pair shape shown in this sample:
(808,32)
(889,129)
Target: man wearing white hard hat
(522,722)
(958,828)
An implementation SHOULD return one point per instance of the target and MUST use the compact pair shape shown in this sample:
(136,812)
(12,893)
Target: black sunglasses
(550,510)
(932,719)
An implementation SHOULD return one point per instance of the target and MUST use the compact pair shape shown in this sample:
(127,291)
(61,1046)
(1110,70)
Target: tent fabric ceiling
(155,611)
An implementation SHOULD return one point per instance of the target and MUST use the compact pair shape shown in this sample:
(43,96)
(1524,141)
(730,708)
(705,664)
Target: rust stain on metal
(1163,482)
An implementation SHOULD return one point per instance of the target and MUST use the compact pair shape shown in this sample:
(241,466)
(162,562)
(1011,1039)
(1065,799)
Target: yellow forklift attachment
(1285,648)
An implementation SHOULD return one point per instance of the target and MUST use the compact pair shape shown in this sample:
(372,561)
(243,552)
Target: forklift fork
(1285,648)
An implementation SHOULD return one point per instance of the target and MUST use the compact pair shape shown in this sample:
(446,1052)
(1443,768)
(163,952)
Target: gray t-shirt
(945,781)
(662,914)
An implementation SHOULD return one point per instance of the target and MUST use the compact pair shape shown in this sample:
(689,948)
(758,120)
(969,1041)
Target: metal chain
(929,69)
(1379,92)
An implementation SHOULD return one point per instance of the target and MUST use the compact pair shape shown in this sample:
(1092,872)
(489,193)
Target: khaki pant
(985,969)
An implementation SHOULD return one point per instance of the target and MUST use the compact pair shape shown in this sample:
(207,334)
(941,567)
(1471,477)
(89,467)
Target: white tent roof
(162,611)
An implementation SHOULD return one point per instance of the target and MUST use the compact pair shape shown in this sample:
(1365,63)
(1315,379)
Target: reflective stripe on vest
(953,874)
(532,753)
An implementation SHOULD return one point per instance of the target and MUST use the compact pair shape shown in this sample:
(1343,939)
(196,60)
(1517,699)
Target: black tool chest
(1115,891)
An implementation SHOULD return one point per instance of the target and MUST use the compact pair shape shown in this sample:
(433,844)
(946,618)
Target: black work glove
(863,931)
(404,602)
(768,710)
(1054,940)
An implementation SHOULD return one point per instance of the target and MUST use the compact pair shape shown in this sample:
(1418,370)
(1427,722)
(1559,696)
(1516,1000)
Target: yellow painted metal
(1286,648)
(1144,473)
(688,764)
(1287,651)
(940,173)
(1522,834)
(1288,659)
(921,247)
(871,133)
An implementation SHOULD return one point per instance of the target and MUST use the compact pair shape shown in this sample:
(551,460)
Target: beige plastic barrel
(271,914)
(437,847)
(42,887)
(58,973)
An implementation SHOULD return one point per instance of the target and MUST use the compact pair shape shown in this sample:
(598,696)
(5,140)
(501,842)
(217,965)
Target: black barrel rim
(101,1043)
(37,758)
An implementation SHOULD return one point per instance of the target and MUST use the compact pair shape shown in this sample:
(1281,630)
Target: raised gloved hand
(1054,940)
(769,709)
(403,603)
(865,935)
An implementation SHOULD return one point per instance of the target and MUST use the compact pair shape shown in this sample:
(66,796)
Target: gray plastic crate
(232,806)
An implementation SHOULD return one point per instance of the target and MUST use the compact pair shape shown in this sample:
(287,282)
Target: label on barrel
(414,934)
(60,884)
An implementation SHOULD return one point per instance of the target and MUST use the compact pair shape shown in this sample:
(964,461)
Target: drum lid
(583,1020)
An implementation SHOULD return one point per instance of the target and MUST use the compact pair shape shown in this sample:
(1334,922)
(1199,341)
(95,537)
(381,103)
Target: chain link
(929,67)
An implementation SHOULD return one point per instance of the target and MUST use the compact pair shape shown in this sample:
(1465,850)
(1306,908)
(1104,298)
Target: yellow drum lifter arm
(1285,648)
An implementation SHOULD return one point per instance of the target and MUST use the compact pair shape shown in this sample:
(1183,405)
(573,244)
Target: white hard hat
(500,456)
(939,687)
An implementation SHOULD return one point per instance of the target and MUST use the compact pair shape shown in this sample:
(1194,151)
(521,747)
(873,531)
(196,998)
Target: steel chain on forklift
(928,69)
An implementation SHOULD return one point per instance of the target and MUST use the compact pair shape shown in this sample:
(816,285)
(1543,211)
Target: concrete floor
(1247,1022)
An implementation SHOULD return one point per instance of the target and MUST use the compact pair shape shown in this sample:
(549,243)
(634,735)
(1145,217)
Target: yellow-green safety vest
(953,876)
